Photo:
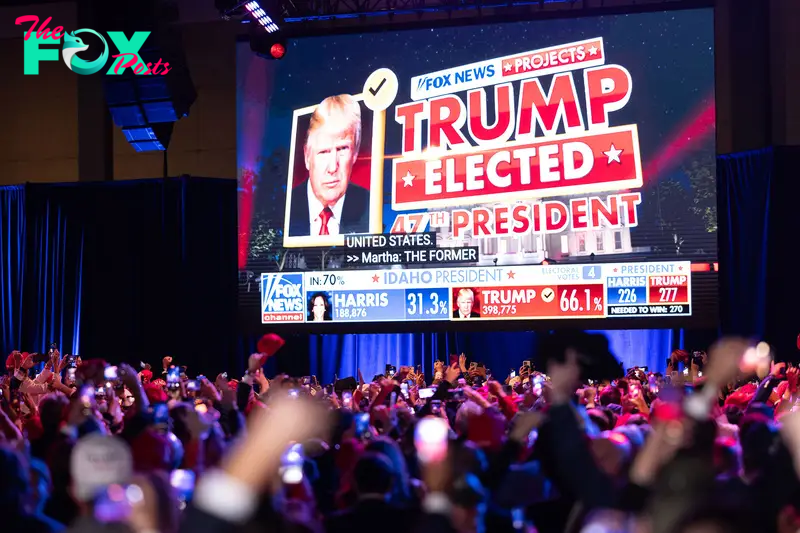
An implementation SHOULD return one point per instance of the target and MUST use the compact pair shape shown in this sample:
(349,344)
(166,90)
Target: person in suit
(464,302)
(327,203)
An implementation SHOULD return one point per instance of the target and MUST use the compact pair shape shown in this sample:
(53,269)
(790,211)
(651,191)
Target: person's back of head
(467,458)
(716,519)
(164,508)
(51,410)
(41,483)
(600,417)
(390,449)
(762,409)
(733,414)
(469,499)
(466,410)
(14,481)
(373,475)
(610,395)
(727,457)
(757,438)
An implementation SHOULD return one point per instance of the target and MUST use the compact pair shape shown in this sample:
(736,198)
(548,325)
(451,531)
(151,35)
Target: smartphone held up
(430,439)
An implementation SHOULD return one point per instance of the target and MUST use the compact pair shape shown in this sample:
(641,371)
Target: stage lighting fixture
(257,12)
(277,50)
(267,45)
(265,13)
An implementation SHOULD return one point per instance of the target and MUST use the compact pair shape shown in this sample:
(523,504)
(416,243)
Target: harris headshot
(328,202)
(465,304)
(319,308)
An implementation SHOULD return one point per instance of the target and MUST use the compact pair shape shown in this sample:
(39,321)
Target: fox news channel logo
(282,298)
(452,80)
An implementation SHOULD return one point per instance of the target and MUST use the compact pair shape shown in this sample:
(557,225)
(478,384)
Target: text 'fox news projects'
(499,179)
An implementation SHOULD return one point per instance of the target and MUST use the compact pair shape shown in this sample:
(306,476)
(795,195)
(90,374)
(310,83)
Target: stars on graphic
(613,154)
(375,278)
(680,268)
(510,274)
(507,66)
(593,50)
(408,179)
(616,269)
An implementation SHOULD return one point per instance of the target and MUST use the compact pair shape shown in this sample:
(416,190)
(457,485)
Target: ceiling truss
(346,13)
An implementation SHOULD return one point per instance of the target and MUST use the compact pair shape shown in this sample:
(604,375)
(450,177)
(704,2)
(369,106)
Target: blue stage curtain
(54,283)
(125,271)
(41,273)
(12,265)
(159,268)
(745,183)
(641,347)
(343,355)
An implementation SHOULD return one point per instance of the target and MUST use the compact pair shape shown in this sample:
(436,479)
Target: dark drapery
(160,269)
(40,274)
(759,224)
(53,273)
(133,270)
(12,261)
(744,184)
(783,291)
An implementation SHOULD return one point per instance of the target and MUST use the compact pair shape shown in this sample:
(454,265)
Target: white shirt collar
(315,207)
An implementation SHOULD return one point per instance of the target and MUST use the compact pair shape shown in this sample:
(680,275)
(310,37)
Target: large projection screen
(546,172)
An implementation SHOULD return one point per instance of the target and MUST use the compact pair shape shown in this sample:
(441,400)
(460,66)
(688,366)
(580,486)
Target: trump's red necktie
(324,217)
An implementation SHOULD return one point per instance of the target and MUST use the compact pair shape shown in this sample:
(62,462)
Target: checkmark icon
(547,295)
(378,88)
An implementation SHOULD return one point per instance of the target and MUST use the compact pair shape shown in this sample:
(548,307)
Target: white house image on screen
(535,248)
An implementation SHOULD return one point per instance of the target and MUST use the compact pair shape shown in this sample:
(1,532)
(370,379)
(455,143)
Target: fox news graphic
(500,150)
(282,298)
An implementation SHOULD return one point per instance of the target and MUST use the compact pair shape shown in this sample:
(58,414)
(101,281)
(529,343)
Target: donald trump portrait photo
(328,203)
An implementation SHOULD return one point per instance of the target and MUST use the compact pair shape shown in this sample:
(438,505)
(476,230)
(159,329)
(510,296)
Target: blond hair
(343,110)
(465,292)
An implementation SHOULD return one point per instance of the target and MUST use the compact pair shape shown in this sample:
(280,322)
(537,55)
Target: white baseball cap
(98,461)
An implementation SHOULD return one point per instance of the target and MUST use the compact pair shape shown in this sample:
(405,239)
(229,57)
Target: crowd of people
(562,445)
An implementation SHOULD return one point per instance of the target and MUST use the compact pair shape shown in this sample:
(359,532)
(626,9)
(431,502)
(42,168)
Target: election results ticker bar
(519,292)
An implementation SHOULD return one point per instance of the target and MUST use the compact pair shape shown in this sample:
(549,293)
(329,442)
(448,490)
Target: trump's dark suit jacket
(473,314)
(355,211)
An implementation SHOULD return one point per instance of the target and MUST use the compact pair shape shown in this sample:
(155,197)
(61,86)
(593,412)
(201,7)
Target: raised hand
(254,362)
(255,460)
(128,376)
(208,390)
(662,444)
(724,359)
(451,373)
(791,377)
(495,388)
